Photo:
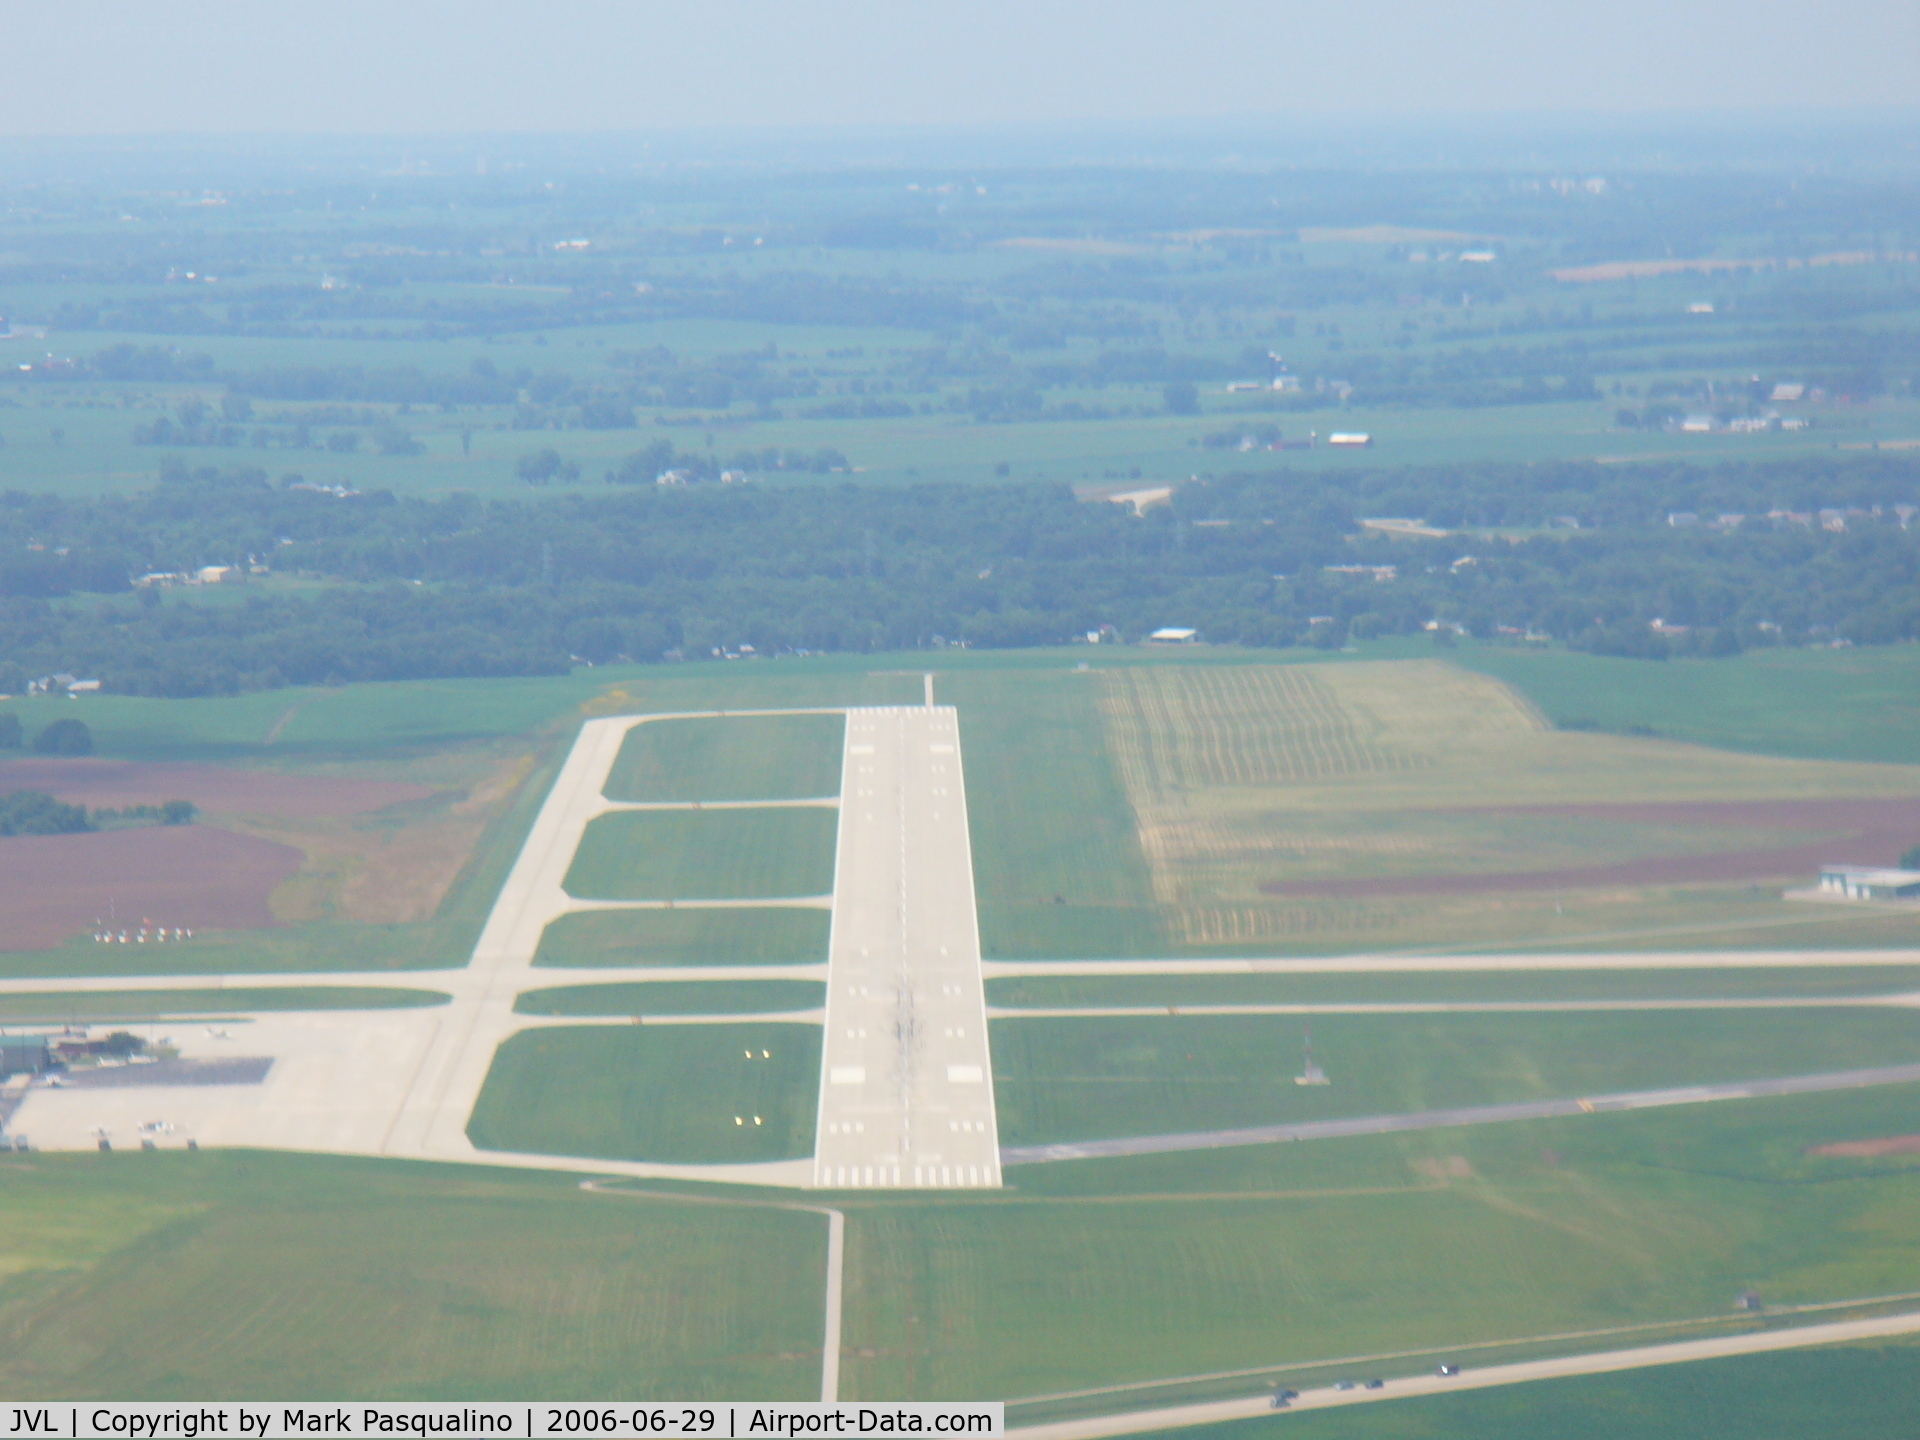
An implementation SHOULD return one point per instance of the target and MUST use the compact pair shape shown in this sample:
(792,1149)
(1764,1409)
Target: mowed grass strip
(255,1275)
(1850,704)
(705,855)
(1469,987)
(1301,1254)
(1077,1079)
(746,757)
(1056,860)
(694,1094)
(144,1004)
(770,936)
(676,997)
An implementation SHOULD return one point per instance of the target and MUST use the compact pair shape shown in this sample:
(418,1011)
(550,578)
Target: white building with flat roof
(1867,882)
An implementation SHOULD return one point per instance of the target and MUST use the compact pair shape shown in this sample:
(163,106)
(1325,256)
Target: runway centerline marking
(906,1099)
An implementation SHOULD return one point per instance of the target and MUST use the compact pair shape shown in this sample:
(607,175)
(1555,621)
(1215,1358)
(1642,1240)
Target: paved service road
(906,1083)
(1469,1115)
(1910,1000)
(1601,1362)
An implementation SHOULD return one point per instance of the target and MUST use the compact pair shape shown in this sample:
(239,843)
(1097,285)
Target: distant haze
(426,66)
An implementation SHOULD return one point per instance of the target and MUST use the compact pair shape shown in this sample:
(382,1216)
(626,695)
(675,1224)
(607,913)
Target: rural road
(906,1085)
(1467,1115)
(1601,1362)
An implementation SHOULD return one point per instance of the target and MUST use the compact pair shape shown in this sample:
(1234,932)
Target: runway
(906,1092)
(1465,1115)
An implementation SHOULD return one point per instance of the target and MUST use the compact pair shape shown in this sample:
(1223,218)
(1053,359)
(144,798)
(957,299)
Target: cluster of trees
(34,812)
(457,586)
(65,736)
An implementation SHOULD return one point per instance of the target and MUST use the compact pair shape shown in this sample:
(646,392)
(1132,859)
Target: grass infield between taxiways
(740,757)
(705,855)
(677,1094)
(676,997)
(771,936)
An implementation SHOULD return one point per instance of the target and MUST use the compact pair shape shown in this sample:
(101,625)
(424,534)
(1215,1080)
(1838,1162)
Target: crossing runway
(906,1085)
(1466,1115)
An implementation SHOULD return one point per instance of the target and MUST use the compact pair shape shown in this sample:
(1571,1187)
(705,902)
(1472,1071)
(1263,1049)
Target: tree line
(463,587)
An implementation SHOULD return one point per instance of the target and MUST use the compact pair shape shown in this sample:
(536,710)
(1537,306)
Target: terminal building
(1865,882)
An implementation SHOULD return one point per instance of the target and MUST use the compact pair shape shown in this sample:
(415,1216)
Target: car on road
(1281,1397)
(1448,1370)
(1345,1385)
(1376,1384)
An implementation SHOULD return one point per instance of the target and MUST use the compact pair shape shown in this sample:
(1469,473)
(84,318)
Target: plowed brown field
(1864,832)
(55,886)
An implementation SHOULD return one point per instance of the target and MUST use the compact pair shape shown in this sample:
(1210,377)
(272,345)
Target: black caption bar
(604,1420)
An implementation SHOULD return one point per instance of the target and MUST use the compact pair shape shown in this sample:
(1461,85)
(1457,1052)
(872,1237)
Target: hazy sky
(416,66)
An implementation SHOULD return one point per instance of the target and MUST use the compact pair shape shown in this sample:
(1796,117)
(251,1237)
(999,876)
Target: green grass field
(835,681)
(98,1005)
(94,452)
(683,1094)
(1048,815)
(1849,704)
(1296,1255)
(670,997)
(1415,986)
(286,727)
(1849,1392)
(442,942)
(771,936)
(705,855)
(284,1277)
(1081,1079)
(785,757)
(1169,792)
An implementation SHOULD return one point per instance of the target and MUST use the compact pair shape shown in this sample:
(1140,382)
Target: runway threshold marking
(906,1093)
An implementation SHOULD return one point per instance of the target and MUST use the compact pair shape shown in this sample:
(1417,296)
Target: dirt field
(375,849)
(1870,1149)
(197,876)
(115,784)
(1869,832)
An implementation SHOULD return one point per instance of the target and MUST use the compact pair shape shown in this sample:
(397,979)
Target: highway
(1602,1362)
(906,1086)
(1466,1115)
